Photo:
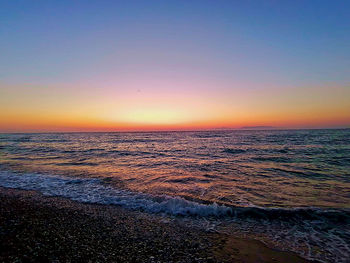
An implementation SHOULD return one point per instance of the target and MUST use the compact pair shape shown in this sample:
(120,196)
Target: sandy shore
(34,228)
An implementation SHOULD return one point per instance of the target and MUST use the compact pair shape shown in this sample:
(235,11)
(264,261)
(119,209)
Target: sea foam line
(92,190)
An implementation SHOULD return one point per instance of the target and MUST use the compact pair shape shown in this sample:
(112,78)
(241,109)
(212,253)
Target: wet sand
(34,228)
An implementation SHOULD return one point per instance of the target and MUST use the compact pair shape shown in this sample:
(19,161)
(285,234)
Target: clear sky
(140,65)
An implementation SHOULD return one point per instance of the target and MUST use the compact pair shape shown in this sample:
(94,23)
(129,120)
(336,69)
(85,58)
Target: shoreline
(36,228)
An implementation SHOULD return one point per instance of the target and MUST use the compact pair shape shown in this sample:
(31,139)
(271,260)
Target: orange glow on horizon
(118,66)
(65,125)
(37,109)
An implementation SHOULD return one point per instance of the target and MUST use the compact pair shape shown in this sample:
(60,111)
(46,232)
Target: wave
(95,190)
(327,228)
(77,164)
(234,151)
(188,179)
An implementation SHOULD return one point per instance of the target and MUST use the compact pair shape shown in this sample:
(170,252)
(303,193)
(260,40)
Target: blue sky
(201,49)
(299,41)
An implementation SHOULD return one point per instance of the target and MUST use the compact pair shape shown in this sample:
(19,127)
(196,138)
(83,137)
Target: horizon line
(182,130)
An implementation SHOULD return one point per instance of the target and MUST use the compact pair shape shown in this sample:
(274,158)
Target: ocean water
(289,188)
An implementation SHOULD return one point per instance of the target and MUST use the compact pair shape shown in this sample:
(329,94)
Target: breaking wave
(95,191)
(328,228)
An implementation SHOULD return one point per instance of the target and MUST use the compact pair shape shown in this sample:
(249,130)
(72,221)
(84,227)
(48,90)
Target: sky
(160,65)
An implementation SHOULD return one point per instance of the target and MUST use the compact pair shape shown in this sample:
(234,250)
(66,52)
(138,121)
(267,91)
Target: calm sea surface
(297,178)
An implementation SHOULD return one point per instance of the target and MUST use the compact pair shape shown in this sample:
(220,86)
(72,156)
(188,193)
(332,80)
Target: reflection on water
(263,168)
(287,188)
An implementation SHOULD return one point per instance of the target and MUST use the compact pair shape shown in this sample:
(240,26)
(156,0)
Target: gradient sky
(140,65)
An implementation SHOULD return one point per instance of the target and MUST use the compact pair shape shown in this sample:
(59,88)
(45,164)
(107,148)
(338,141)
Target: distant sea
(288,188)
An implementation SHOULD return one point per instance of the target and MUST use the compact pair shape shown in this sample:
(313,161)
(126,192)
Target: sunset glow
(172,66)
(175,131)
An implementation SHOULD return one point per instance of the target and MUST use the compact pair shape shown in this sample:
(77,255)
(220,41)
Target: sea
(288,188)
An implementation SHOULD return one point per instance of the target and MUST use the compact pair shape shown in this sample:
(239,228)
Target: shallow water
(293,183)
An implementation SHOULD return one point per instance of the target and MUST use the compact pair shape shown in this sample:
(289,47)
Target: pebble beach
(34,228)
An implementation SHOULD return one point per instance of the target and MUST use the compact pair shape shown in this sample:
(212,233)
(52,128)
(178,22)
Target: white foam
(291,235)
(94,191)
